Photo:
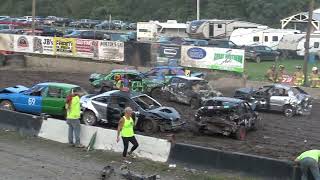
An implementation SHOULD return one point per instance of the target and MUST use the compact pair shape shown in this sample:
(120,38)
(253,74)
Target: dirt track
(280,137)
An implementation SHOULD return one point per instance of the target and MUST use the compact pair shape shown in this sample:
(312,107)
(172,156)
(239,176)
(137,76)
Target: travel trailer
(294,45)
(215,28)
(260,36)
(153,30)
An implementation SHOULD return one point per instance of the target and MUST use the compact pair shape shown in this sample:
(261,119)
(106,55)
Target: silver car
(278,97)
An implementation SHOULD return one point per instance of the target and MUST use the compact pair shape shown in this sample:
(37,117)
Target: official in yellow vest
(271,73)
(309,161)
(73,118)
(125,129)
(298,76)
(280,74)
(314,78)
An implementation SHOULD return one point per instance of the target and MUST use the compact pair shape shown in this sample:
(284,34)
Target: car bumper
(304,110)
(174,125)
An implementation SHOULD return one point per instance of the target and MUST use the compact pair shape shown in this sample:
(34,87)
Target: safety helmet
(281,66)
(314,69)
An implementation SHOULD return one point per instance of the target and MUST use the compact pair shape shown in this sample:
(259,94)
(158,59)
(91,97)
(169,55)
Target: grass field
(257,71)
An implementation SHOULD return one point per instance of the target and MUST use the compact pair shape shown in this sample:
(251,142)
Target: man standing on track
(73,118)
(309,160)
(125,128)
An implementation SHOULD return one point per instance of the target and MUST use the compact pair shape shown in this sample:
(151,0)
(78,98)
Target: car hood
(300,97)
(167,113)
(14,89)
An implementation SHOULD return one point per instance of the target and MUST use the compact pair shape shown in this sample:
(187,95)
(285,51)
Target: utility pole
(307,44)
(198,10)
(33,15)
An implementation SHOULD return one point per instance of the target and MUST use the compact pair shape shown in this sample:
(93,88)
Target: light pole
(198,10)
(33,15)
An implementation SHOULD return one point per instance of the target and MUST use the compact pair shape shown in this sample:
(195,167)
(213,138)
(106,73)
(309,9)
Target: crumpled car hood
(168,113)
(14,89)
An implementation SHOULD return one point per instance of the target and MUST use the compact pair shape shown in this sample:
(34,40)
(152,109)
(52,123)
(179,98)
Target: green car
(48,98)
(137,82)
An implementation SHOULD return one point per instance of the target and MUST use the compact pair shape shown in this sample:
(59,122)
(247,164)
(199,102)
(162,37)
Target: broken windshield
(145,102)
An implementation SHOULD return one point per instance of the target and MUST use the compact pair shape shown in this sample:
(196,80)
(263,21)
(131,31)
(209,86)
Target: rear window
(256,39)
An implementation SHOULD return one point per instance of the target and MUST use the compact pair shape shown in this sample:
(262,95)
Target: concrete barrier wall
(23,123)
(150,148)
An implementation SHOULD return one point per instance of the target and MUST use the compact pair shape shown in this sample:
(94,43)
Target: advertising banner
(64,46)
(87,48)
(6,42)
(42,45)
(22,43)
(213,58)
(111,51)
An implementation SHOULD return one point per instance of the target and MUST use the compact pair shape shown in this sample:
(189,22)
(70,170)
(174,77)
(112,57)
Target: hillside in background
(267,12)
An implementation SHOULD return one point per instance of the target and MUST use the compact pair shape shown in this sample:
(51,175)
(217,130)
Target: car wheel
(150,126)
(105,89)
(241,133)
(89,118)
(194,103)
(288,111)
(258,59)
(7,105)
(156,93)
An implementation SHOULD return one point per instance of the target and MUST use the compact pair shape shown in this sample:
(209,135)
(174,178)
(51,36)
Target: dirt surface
(280,137)
(25,158)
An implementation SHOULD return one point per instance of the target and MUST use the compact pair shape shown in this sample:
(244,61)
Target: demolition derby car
(278,97)
(227,116)
(137,81)
(150,116)
(48,98)
(189,90)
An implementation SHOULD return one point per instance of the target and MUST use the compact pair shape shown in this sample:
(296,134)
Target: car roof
(130,94)
(189,78)
(227,99)
(62,85)
(125,71)
(168,67)
(283,86)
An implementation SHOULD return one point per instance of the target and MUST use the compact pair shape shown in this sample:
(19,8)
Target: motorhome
(294,45)
(260,36)
(153,30)
(215,28)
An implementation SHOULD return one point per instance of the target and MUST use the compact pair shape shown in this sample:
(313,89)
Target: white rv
(153,30)
(294,44)
(216,28)
(260,36)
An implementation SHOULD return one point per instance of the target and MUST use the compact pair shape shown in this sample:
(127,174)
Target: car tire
(89,118)
(150,126)
(194,103)
(258,59)
(105,89)
(156,93)
(7,105)
(241,133)
(288,111)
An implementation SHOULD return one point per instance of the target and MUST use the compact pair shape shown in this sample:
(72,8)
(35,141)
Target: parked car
(150,115)
(132,26)
(62,22)
(105,25)
(222,43)
(226,116)
(48,98)
(259,53)
(137,82)
(86,34)
(189,90)
(165,73)
(49,31)
(278,97)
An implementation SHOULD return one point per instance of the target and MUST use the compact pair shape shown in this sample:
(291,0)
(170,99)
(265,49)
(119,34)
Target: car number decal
(31,101)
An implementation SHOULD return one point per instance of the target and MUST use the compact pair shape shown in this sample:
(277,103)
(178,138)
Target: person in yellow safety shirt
(298,76)
(117,81)
(309,161)
(280,74)
(314,78)
(73,118)
(125,129)
(271,73)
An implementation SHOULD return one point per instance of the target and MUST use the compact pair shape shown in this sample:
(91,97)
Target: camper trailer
(215,28)
(293,45)
(260,36)
(153,30)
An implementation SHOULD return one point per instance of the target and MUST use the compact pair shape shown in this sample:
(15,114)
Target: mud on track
(279,138)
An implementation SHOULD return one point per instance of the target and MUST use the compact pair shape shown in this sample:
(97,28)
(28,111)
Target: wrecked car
(150,115)
(226,116)
(137,81)
(278,97)
(189,90)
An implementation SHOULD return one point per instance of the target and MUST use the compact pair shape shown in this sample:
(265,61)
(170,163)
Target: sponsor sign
(87,48)
(170,51)
(213,58)
(43,45)
(6,42)
(22,43)
(111,51)
(64,46)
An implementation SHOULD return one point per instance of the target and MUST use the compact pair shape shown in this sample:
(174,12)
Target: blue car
(165,73)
